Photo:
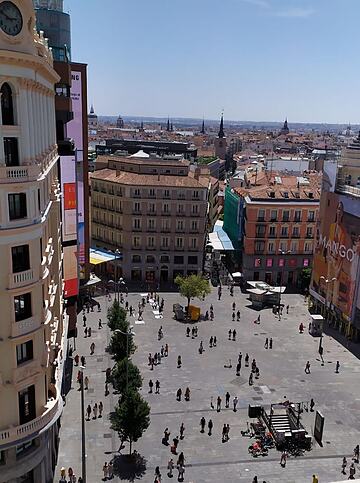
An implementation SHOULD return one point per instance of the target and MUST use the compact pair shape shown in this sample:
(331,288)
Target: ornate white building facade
(32,323)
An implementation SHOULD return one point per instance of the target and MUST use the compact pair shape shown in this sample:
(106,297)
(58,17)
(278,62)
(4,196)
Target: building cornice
(30,61)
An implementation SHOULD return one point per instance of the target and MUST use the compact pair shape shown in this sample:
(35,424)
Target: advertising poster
(70,271)
(337,252)
(75,131)
(68,189)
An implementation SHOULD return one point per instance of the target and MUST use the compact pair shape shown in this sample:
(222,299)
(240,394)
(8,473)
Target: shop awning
(100,256)
(219,239)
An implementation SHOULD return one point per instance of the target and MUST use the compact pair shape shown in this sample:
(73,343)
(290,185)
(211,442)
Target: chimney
(117,172)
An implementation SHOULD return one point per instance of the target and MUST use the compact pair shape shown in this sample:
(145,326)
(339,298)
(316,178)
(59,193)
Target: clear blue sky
(256,59)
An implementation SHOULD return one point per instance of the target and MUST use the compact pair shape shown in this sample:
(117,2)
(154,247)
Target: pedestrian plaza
(207,458)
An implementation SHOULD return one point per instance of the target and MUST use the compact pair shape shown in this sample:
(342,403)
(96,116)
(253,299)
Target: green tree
(192,286)
(116,316)
(118,347)
(305,278)
(130,418)
(118,376)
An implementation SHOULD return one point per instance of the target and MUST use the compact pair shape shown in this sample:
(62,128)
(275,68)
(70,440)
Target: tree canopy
(116,316)
(130,418)
(118,376)
(117,346)
(192,286)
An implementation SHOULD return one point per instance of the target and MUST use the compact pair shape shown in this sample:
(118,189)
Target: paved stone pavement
(207,459)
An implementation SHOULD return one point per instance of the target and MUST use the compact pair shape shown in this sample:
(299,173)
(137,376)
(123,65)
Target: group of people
(96,410)
(352,469)
(154,360)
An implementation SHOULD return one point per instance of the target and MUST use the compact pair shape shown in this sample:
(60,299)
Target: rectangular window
(151,224)
(179,243)
(269,262)
(195,209)
(165,224)
(137,223)
(152,207)
(24,352)
(27,410)
(23,449)
(281,262)
(257,262)
(137,207)
(22,307)
(284,231)
(165,242)
(151,193)
(308,248)
(309,232)
(297,215)
(311,216)
(20,258)
(151,242)
(179,225)
(296,232)
(283,246)
(273,215)
(194,225)
(166,208)
(137,192)
(195,194)
(166,194)
(261,215)
(260,230)
(286,215)
(272,231)
(178,260)
(180,208)
(294,246)
(259,247)
(11,152)
(136,241)
(271,247)
(193,243)
(192,260)
(17,206)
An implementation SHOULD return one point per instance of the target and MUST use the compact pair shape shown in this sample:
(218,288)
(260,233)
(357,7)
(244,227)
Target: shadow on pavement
(351,346)
(129,467)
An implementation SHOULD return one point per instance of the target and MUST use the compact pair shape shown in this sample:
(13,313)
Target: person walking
(92,348)
(181,459)
(238,368)
(307,368)
(234,335)
(337,367)
(211,403)
(101,408)
(255,479)
(188,332)
(238,316)
(233,316)
(283,459)
(166,436)
(151,385)
(223,437)
(157,474)
(181,470)
(229,334)
(270,343)
(202,424)
(211,341)
(100,324)
(343,465)
(227,432)
(105,470)
(251,380)
(85,332)
(166,352)
(227,399)
(315,479)
(89,332)
(182,429)
(246,360)
(179,362)
(214,343)
(111,470)
(95,411)
(266,345)
(157,387)
(170,467)
(356,454)
(178,394)
(76,359)
(86,383)
(218,404)
(83,361)
(175,444)
(235,403)
(312,404)
(352,471)
(287,309)
(84,320)
(187,394)
(88,412)
(210,427)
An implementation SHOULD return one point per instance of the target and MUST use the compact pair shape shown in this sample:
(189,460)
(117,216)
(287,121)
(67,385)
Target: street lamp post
(83,443)
(282,252)
(127,335)
(327,282)
(117,257)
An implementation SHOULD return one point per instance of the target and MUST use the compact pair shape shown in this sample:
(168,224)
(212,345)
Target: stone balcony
(21,279)
(28,369)
(32,428)
(25,173)
(25,326)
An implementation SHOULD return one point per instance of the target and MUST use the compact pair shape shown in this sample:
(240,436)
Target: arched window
(7,107)
(136,259)
(150,259)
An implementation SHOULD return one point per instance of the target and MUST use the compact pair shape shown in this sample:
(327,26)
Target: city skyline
(221,54)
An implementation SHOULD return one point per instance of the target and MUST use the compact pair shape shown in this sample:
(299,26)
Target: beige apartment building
(32,328)
(153,212)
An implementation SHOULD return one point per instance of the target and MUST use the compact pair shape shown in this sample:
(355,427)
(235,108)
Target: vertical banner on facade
(69,224)
(75,131)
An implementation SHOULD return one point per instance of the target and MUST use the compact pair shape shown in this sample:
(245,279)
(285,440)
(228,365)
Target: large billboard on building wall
(337,254)
(75,131)
(69,224)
